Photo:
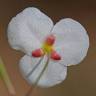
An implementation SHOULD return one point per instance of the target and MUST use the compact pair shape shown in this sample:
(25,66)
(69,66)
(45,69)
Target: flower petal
(27,63)
(72,41)
(54,73)
(29,26)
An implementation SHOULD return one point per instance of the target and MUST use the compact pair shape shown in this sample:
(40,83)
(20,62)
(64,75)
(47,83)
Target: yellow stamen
(47,48)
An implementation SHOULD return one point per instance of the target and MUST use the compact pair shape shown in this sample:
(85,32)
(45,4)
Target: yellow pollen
(47,48)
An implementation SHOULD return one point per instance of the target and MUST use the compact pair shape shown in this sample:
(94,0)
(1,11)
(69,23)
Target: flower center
(48,44)
(47,48)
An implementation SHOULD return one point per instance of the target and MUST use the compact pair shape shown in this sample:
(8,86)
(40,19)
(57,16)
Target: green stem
(38,79)
(5,77)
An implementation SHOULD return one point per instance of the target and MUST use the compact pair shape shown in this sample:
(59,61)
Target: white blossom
(28,31)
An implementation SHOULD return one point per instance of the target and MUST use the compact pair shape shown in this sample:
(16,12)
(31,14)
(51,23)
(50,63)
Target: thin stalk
(35,67)
(5,77)
(39,77)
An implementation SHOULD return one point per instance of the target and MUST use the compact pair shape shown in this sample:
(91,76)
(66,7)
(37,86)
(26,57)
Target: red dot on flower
(50,40)
(55,56)
(38,53)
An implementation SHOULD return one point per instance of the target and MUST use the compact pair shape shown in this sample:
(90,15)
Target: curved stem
(6,78)
(38,79)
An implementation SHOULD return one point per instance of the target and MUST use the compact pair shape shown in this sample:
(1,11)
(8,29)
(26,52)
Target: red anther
(55,56)
(50,40)
(38,53)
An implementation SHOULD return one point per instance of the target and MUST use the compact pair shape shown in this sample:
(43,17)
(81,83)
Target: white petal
(39,23)
(72,41)
(54,73)
(28,29)
(27,63)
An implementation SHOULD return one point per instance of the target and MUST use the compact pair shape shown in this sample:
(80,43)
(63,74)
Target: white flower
(31,30)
